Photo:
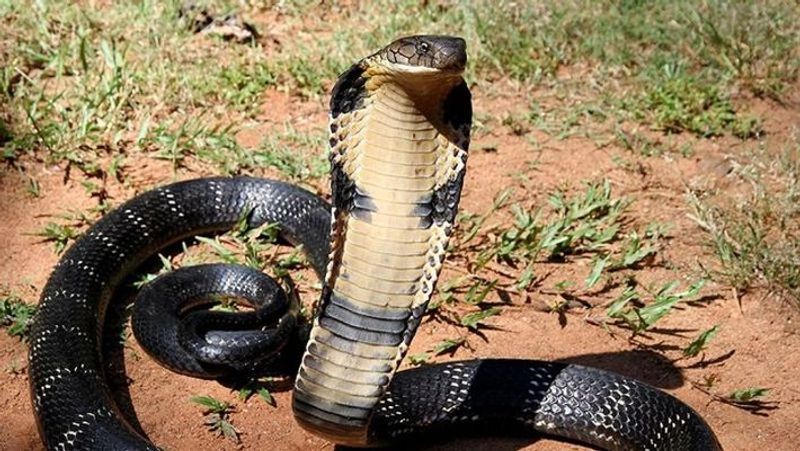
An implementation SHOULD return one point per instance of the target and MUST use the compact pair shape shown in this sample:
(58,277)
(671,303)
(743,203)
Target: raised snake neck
(398,159)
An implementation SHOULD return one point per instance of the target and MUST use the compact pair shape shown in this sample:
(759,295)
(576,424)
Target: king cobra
(399,122)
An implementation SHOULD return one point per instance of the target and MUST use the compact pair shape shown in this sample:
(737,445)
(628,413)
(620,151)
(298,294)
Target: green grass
(640,312)
(81,79)
(218,417)
(259,387)
(678,102)
(77,79)
(60,234)
(700,343)
(16,315)
(585,223)
(588,224)
(754,231)
(747,395)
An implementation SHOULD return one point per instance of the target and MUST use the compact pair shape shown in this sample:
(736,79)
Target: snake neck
(423,93)
(397,164)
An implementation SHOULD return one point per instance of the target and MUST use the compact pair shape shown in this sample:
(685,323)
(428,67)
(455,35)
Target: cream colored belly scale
(385,262)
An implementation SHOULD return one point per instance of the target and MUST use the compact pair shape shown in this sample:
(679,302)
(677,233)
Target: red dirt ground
(756,345)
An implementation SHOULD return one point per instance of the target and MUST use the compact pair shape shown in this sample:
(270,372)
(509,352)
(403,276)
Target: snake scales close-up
(399,133)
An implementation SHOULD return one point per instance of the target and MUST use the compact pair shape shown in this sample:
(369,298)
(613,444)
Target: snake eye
(423,48)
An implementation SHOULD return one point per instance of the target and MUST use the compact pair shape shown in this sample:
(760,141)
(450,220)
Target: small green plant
(639,318)
(217,416)
(518,125)
(582,223)
(588,221)
(59,234)
(474,320)
(637,248)
(474,224)
(33,188)
(747,127)
(474,289)
(252,246)
(599,264)
(639,143)
(748,395)
(447,346)
(563,286)
(634,250)
(284,152)
(243,84)
(291,261)
(227,255)
(700,343)
(191,136)
(420,358)
(478,290)
(259,387)
(16,315)
(166,266)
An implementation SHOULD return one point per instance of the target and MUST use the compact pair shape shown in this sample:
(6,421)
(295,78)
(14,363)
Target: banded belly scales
(398,154)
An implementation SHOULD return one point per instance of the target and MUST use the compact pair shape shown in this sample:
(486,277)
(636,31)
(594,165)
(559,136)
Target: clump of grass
(754,235)
(257,387)
(634,250)
(682,103)
(751,399)
(240,85)
(16,315)
(638,313)
(748,395)
(700,343)
(254,247)
(755,42)
(637,248)
(676,101)
(474,320)
(584,222)
(639,143)
(218,416)
(60,234)
(576,224)
(589,223)
(285,151)
(446,346)
(192,136)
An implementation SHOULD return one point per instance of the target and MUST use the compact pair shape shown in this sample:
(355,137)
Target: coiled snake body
(400,124)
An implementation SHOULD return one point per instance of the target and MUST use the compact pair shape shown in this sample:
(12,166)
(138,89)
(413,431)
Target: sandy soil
(755,347)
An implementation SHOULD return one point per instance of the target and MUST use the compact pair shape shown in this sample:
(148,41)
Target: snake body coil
(400,124)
